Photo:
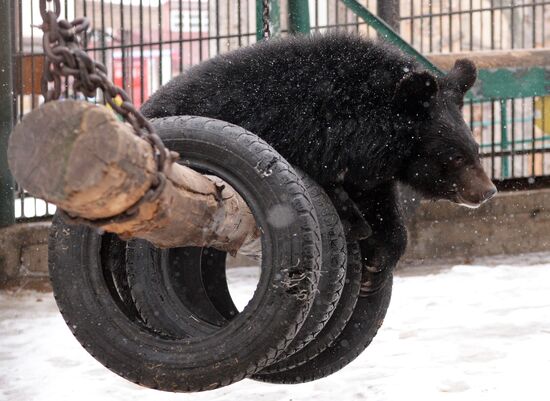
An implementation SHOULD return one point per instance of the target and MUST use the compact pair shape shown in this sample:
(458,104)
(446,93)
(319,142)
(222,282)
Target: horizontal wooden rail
(487,59)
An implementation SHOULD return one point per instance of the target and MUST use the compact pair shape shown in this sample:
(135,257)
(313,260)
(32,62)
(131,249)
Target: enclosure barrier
(7,211)
(510,120)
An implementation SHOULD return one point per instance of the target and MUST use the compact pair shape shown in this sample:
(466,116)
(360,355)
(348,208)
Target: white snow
(469,332)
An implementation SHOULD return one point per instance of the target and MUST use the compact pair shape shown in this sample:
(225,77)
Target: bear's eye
(457,160)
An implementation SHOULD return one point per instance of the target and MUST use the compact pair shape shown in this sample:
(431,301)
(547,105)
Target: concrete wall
(512,223)
(24,255)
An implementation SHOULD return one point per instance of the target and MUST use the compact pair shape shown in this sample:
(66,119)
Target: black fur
(355,115)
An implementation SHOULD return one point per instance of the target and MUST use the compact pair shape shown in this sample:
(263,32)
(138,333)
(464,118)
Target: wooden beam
(80,157)
(488,59)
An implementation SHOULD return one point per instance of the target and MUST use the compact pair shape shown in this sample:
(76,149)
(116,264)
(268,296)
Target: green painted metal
(259,23)
(385,31)
(502,83)
(298,16)
(509,83)
(7,210)
(505,161)
(521,142)
(274,18)
(492,84)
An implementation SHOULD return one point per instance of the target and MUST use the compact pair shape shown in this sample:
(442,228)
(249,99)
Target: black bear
(356,115)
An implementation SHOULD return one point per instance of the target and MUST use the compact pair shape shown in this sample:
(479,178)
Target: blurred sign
(132,76)
(542,114)
(29,74)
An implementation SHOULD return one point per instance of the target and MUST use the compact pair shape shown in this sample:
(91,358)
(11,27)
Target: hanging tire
(163,298)
(333,328)
(359,332)
(212,356)
(333,269)
(169,292)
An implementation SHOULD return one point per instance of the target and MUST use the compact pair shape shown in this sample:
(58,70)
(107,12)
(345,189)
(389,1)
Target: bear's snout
(475,187)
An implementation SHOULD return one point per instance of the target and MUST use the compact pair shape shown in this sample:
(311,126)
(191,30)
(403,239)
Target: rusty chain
(65,58)
(265,19)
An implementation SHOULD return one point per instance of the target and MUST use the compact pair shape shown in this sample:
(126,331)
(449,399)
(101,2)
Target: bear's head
(445,161)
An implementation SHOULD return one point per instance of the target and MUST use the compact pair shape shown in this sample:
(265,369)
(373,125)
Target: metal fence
(144,43)
(514,133)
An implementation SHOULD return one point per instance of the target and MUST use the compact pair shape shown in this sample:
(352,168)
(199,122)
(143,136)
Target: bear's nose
(489,194)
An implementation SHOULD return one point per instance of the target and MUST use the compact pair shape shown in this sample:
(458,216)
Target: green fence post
(274,18)
(298,16)
(505,161)
(7,213)
(389,11)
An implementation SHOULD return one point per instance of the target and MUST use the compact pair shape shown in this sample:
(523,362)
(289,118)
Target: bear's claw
(373,281)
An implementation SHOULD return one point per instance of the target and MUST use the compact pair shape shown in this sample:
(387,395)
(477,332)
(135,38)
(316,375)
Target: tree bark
(80,157)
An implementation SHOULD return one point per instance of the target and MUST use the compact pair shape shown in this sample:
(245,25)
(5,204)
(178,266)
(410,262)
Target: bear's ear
(415,92)
(462,76)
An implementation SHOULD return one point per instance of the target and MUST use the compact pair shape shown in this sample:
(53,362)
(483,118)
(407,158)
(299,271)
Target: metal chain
(65,58)
(265,19)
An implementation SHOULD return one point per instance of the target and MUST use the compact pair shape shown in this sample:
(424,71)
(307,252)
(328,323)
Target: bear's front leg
(355,225)
(382,250)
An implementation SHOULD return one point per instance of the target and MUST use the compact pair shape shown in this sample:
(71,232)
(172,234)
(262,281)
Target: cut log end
(83,159)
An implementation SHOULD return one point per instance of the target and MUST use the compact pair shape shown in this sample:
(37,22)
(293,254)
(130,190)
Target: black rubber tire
(91,305)
(333,328)
(168,290)
(167,308)
(333,270)
(359,332)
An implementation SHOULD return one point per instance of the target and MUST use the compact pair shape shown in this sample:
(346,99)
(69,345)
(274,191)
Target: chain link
(65,59)
(265,19)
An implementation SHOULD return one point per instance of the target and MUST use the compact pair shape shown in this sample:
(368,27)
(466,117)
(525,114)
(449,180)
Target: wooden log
(489,59)
(80,157)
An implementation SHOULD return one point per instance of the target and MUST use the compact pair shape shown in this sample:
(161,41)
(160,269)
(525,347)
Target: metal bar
(421,47)
(156,43)
(493,141)
(141,54)
(274,18)
(441,29)
(7,207)
(239,19)
(478,10)
(411,33)
(259,21)
(451,48)
(510,142)
(430,27)
(385,31)
(389,12)
(533,148)
(160,40)
(505,161)
(513,132)
(517,152)
(19,108)
(298,16)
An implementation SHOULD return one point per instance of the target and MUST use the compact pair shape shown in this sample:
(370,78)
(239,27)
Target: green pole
(298,16)
(7,213)
(274,19)
(385,31)
(505,166)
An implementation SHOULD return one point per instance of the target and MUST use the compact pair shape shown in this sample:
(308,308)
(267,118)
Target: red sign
(133,71)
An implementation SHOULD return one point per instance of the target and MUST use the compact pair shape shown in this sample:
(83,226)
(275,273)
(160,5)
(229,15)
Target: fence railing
(144,43)
(512,126)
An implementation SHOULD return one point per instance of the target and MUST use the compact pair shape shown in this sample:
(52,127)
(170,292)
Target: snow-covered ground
(475,332)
